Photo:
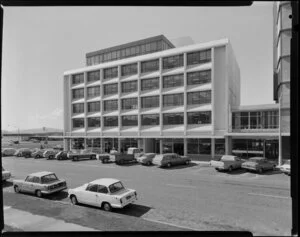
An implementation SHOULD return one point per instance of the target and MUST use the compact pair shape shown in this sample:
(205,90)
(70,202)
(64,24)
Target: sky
(40,43)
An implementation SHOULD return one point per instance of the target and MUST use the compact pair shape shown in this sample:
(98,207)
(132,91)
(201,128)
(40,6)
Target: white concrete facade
(224,87)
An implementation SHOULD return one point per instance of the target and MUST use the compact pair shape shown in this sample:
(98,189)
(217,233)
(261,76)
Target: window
(110,72)
(111,89)
(173,62)
(173,81)
(150,66)
(173,100)
(94,106)
(110,105)
(270,119)
(199,117)
(116,187)
(78,108)
(199,97)
(150,119)
(130,86)
(130,103)
(102,189)
(244,120)
(111,121)
(173,119)
(93,76)
(150,84)
(93,91)
(49,178)
(78,123)
(130,120)
(220,146)
(77,79)
(94,122)
(92,187)
(255,120)
(200,77)
(199,57)
(150,102)
(78,93)
(29,179)
(199,146)
(129,69)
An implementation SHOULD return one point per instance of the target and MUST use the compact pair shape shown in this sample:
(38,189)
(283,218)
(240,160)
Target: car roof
(105,181)
(228,157)
(41,173)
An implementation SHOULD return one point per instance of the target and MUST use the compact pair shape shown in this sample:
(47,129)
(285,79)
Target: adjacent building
(155,96)
(282,32)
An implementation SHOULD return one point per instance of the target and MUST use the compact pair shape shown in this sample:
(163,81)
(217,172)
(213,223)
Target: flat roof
(150,56)
(254,107)
(130,44)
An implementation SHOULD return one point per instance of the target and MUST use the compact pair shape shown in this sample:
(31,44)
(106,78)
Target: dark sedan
(259,164)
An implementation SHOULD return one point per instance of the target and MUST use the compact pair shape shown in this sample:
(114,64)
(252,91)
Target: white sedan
(5,174)
(105,193)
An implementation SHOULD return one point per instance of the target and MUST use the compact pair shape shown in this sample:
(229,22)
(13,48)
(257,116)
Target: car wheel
(217,169)
(75,158)
(105,160)
(274,168)
(260,170)
(51,157)
(93,157)
(74,200)
(187,162)
(169,165)
(38,193)
(149,163)
(106,206)
(230,169)
(37,156)
(121,162)
(17,189)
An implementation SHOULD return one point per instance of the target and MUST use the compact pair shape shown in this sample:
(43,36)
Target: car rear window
(49,178)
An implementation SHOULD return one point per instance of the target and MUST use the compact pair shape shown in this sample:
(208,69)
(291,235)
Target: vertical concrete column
(119,144)
(102,143)
(101,103)
(66,144)
(185,94)
(85,103)
(228,145)
(139,98)
(213,147)
(160,146)
(119,101)
(185,147)
(213,122)
(70,108)
(160,96)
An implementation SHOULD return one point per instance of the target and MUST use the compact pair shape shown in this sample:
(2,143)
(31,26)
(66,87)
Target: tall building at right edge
(282,33)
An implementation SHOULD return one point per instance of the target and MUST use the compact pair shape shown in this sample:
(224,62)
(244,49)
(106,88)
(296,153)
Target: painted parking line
(166,223)
(266,195)
(181,186)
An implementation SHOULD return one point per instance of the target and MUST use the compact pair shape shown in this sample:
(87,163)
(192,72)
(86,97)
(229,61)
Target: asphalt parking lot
(194,197)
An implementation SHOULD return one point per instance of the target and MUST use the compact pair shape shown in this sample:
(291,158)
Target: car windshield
(49,178)
(116,187)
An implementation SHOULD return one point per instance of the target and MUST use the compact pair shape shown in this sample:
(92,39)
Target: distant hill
(34,130)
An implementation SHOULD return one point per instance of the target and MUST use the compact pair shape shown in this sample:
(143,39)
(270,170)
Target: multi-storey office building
(282,32)
(174,100)
(184,100)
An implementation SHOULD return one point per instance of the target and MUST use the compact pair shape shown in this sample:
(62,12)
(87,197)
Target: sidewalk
(25,221)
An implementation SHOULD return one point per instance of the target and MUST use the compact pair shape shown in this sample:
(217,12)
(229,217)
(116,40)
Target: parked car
(259,164)
(227,162)
(169,159)
(50,154)
(8,152)
(83,154)
(131,156)
(146,159)
(286,167)
(104,157)
(105,193)
(23,152)
(37,153)
(40,183)
(62,155)
(5,174)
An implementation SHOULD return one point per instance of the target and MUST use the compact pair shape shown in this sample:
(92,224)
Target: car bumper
(54,190)
(250,168)
(121,205)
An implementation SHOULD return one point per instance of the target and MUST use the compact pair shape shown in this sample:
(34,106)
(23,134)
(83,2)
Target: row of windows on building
(203,117)
(193,78)
(194,58)
(132,51)
(193,98)
(255,120)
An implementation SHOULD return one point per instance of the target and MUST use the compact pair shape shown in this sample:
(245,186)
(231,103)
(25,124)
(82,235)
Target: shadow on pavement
(57,196)
(6,184)
(268,172)
(234,172)
(129,164)
(180,166)
(130,210)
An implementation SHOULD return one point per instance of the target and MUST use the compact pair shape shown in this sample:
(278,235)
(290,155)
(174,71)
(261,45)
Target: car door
(89,196)
(102,195)
(28,184)
(176,159)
